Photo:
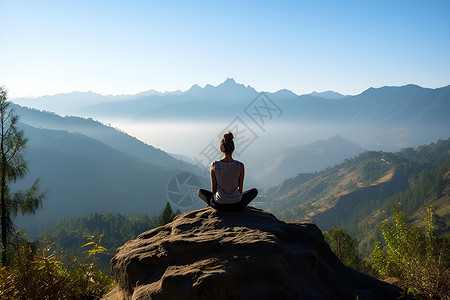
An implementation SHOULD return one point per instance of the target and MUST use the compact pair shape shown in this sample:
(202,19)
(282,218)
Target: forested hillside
(355,194)
(82,175)
(71,234)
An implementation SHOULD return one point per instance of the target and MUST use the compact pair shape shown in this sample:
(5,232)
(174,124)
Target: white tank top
(227,177)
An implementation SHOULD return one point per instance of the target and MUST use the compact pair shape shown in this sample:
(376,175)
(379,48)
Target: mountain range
(89,166)
(386,118)
(86,166)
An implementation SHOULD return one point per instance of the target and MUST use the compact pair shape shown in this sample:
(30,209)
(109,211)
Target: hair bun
(228,136)
(227,144)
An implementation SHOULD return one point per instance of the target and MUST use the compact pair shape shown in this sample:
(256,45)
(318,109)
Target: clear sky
(126,47)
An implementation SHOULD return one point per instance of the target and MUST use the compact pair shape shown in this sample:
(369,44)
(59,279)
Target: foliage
(114,229)
(47,273)
(345,247)
(414,255)
(166,216)
(12,167)
(96,247)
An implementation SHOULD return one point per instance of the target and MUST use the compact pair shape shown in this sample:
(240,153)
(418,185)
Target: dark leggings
(247,197)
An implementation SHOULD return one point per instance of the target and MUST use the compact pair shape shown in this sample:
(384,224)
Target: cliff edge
(250,254)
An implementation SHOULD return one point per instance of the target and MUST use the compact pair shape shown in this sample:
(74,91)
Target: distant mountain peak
(195,89)
(408,87)
(226,87)
(150,92)
(327,95)
(229,81)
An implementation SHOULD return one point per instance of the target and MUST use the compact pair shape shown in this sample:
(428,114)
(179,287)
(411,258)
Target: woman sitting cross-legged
(227,181)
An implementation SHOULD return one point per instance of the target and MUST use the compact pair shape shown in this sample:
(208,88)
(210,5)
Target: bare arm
(213,180)
(241,179)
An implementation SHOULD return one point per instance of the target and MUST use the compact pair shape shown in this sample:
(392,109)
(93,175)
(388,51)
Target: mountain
(354,194)
(305,159)
(386,118)
(89,167)
(82,175)
(68,103)
(228,90)
(327,95)
(191,104)
(406,105)
(106,134)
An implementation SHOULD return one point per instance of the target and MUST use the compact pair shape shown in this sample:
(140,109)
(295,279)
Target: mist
(191,138)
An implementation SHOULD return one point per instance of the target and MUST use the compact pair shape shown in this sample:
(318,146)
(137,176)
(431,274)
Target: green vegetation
(308,192)
(48,273)
(12,167)
(166,216)
(428,184)
(115,230)
(74,263)
(345,247)
(414,255)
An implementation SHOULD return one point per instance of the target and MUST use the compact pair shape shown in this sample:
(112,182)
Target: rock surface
(250,254)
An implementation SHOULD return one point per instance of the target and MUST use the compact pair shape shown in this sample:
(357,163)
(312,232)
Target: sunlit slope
(355,193)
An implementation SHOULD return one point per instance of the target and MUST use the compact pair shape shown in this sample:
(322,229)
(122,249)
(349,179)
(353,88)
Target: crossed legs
(247,197)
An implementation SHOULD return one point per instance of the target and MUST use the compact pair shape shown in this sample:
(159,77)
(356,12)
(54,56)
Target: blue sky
(126,47)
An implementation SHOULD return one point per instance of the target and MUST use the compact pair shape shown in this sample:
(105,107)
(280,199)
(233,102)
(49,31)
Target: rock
(249,254)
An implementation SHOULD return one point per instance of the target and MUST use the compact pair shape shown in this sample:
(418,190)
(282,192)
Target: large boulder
(249,254)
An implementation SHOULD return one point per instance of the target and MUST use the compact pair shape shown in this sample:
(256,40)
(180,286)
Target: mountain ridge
(308,158)
(106,134)
(354,193)
(82,175)
(387,118)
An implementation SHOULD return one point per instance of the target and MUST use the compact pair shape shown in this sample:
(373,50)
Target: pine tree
(166,216)
(12,167)
(344,246)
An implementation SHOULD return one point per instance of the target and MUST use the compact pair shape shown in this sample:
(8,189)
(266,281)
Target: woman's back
(227,176)
(227,181)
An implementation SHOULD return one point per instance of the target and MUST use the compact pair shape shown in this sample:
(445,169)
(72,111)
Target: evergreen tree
(344,246)
(166,216)
(12,167)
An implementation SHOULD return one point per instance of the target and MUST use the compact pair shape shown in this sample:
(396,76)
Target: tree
(12,167)
(344,246)
(166,216)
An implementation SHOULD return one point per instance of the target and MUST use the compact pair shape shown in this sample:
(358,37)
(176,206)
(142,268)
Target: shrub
(414,255)
(47,273)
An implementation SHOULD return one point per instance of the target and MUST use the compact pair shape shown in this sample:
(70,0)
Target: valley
(324,157)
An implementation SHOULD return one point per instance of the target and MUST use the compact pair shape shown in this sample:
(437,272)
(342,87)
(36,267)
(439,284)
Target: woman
(227,181)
